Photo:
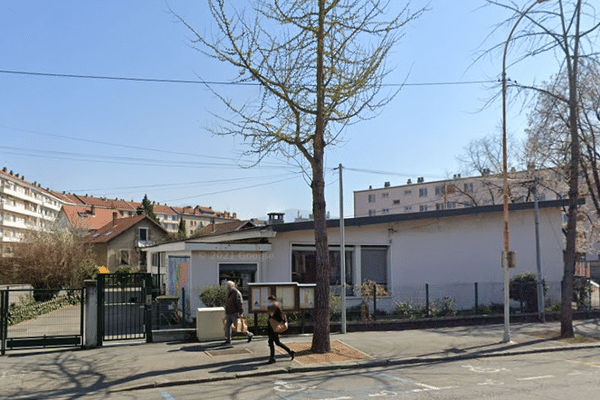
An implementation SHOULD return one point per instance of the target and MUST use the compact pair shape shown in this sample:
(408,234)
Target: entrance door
(241,274)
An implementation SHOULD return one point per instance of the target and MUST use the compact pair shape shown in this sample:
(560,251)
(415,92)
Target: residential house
(123,241)
(450,250)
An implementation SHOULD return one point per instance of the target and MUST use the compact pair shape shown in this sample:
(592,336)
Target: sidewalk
(128,366)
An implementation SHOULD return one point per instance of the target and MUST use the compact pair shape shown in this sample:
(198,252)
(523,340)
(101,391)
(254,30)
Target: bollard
(427,299)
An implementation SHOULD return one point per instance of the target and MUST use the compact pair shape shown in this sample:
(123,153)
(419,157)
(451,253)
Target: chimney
(275,218)
(420,179)
(93,210)
(4,169)
(386,184)
(114,218)
(409,182)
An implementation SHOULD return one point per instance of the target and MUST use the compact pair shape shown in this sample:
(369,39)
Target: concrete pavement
(129,365)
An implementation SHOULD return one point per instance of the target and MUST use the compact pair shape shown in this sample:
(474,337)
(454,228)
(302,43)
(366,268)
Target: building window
(372,213)
(396,201)
(423,192)
(124,258)
(422,208)
(156,259)
(468,187)
(373,264)
(439,190)
(241,274)
(450,189)
(144,235)
(304,265)
(439,206)
(371,198)
(451,205)
(385,195)
(407,192)
(385,211)
(408,208)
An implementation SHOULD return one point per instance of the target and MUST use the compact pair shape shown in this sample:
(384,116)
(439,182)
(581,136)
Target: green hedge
(29,308)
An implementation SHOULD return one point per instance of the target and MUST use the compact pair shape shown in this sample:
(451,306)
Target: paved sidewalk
(126,365)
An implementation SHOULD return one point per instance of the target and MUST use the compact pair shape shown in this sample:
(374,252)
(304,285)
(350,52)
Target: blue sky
(125,139)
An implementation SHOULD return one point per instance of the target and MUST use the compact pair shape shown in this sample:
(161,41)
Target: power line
(215,83)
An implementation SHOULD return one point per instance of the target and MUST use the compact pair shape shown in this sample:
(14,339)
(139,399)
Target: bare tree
(563,28)
(51,258)
(319,66)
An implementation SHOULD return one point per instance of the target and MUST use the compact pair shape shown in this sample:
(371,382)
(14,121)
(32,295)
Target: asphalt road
(548,376)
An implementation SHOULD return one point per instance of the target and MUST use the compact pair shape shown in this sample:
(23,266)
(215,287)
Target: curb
(356,365)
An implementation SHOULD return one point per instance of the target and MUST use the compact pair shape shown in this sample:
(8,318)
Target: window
(144,234)
(396,201)
(124,257)
(541,196)
(439,190)
(451,205)
(407,192)
(372,213)
(422,208)
(156,259)
(450,189)
(439,206)
(373,264)
(408,208)
(385,195)
(371,198)
(468,187)
(385,211)
(423,192)
(241,274)
(304,265)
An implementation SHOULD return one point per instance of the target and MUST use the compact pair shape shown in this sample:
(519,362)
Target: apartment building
(457,192)
(24,206)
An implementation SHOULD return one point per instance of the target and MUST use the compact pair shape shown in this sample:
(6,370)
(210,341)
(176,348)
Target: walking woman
(276,317)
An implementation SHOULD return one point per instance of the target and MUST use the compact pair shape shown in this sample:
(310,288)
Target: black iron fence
(41,318)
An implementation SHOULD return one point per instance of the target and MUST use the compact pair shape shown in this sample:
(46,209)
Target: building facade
(24,206)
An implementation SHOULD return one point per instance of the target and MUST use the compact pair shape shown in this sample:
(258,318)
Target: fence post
(3,320)
(476,299)
(91,318)
(375,302)
(101,285)
(148,307)
(427,299)
(183,321)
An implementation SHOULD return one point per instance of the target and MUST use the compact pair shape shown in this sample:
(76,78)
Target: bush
(214,295)
(523,288)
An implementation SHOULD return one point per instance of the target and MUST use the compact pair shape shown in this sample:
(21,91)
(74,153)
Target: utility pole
(342,253)
(538,261)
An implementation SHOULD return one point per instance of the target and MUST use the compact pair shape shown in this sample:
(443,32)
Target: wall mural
(178,278)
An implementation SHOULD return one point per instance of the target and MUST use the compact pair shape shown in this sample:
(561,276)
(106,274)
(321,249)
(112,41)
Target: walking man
(234,309)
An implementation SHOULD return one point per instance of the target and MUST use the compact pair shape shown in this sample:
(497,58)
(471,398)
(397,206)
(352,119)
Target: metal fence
(41,318)
(476,298)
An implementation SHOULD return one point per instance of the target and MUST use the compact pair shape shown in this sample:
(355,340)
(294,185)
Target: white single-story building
(450,250)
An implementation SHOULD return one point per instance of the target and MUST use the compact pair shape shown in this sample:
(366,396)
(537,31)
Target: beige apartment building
(23,206)
(457,192)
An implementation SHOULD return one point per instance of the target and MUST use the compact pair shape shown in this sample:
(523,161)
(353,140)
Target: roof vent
(420,179)
(4,169)
(409,181)
(386,184)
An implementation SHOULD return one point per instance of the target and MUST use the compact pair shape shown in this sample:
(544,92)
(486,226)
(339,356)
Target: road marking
(167,396)
(531,378)
(484,370)
(383,393)
(491,383)
(589,364)
(283,386)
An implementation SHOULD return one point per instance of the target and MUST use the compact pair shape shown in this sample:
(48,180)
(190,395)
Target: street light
(507,255)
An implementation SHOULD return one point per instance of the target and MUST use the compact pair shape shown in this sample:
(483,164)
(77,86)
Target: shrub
(214,295)
(444,307)
(523,289)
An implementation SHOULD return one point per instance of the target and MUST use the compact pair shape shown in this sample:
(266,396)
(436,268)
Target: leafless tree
(564,28)
(51,258)
(318,66)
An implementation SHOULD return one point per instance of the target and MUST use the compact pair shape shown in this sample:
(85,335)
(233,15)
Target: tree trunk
(321,342)
(566,319)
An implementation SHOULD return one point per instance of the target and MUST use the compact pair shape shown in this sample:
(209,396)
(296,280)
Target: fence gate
(41,318)
(124,302)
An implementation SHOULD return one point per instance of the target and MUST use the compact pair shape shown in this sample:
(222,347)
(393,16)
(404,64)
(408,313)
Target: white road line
(167,396)
(531,378)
